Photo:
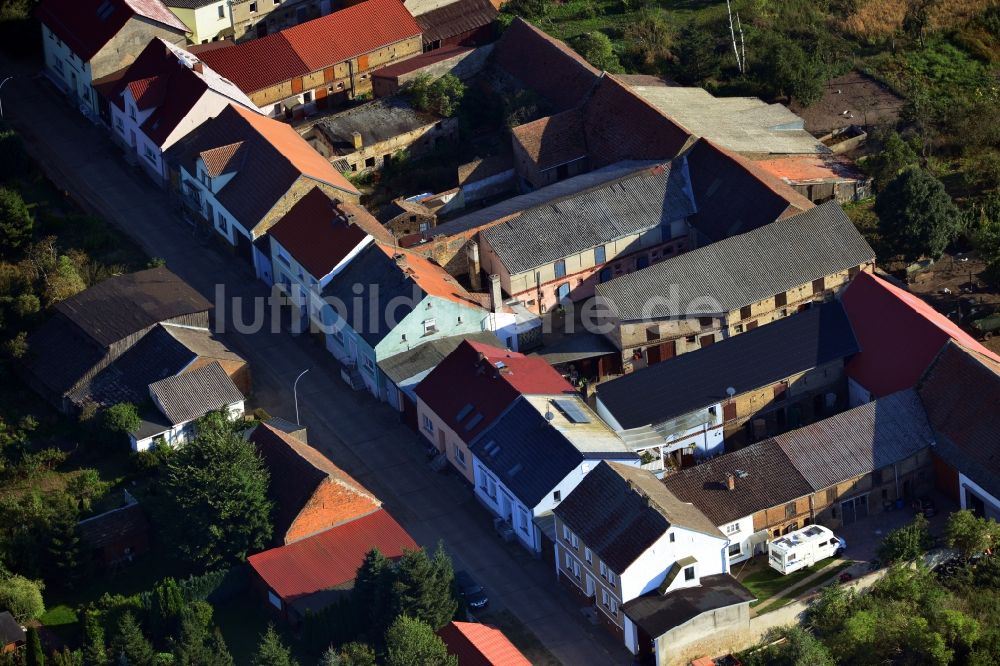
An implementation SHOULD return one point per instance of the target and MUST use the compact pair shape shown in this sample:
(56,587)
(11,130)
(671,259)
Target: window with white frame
(150,154)
(460,456)
(574,540)
(430,326)
(565,533)
(609,602)
(735,550)
(120,124)
(429,425)
(523,520)
(732,528)
(604,570)
(368,364)
(588,555)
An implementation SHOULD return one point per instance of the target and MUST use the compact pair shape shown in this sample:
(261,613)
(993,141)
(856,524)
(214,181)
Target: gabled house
(386,301)
(253,19)
(458,23)
(733,286)
(470,389)
(178,401)
(622,537)
(117,536)
(833,472)
(161,97)
(206,20)
(310,493)
(241,172)
(322,62)
(477,644)
(900,335)
(961,392)
(84,40)
(796,376)
(534,455)
(310,574)
(12,634)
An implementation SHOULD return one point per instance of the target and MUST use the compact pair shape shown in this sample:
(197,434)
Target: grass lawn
(798,590)
(767,582)
(521,637)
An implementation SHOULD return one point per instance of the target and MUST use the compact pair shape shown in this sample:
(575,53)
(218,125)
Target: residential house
(534,455)
(405,217)
(882,315)
(206,20)
(322,62)
(310,574)
(559,250)
(258,18)
(476,644)
(115,537)
(310,493)
(834,472)
(12,634)
(960,392)
(408,369)
(623,537)
(470,389)
(92,330)
(458,23)
(404,301)
(463,62)
(241,173)
(84,40)
(732,286)
(744,388)
(161,97)
(371,136)
(180,400)
(313,242)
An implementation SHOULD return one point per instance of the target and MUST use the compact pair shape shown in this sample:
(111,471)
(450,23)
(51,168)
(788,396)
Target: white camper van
(803,548)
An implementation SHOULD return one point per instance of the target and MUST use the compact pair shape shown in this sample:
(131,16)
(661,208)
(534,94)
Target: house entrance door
(563,292)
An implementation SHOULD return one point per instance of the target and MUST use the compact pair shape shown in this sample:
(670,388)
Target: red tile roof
(313,45)
(553,140)
(900,334)
(491,379)
(317,234)
(480,645)
(331,558)
(87,25)
(430,277)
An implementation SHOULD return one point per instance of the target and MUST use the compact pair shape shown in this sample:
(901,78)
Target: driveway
(360,435)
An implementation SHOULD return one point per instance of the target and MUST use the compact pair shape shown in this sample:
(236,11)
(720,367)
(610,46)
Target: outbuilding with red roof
(478,644)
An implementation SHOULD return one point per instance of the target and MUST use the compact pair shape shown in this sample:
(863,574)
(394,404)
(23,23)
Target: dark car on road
(472,592)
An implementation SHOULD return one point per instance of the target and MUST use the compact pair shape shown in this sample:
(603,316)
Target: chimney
(358,143)
(730,481)
(475,279)
(198,67)
(496,296)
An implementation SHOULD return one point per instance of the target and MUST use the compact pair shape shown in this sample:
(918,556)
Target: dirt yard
(866,100)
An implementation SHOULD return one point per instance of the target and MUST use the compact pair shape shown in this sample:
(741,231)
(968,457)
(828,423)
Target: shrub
(22,597)
(121,419)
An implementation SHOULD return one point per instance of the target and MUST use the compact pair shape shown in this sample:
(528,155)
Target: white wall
(741,537)
(181,433)
(68,70)
(965,484)
(649,570)
(208,25)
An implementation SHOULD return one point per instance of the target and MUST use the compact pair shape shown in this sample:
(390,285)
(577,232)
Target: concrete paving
(360,435)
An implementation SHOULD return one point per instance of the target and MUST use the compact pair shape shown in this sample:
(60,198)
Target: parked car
(472,592)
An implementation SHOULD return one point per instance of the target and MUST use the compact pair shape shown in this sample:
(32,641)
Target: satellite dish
(549,416)
(730,391)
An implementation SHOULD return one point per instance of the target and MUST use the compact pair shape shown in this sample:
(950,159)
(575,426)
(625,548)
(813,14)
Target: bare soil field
(866,101)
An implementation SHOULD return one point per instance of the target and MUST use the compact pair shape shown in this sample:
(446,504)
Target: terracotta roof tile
(218,160)
(553,140)
(478,644)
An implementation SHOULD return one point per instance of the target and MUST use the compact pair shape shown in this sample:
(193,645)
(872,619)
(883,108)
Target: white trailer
(803,548)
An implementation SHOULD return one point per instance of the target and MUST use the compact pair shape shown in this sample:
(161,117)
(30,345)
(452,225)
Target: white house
(206,20)
(162,97)
(534,455)
(84,40)
(182,399)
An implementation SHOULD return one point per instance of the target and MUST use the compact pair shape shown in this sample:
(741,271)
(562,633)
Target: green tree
(424,587)
(34,656)
(330,657)
(896,155)
(64,554)
(216,486)
(357,654)
(916,216)
(16,222)
(596,48)
(827,614)
(969,534)
(165,609)
(130,646)
(196,644)
(409,641)
(22,597)
(271,651)
(697,59)
(787,70)
(121,419)
(983,222)
(789,646)
(528,9)
(372,595)
(648,38)
(64,281)
(94,646)
(67,657)
(906,543)
(441,96)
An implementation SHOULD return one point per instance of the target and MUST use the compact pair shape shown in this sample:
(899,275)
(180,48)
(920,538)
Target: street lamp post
(295,392)
(1,101)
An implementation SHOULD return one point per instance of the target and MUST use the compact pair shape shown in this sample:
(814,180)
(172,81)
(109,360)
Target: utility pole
(295,393)
(1,101)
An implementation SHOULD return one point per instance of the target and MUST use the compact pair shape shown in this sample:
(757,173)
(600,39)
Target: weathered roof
(477,644)
(331,558)
(87,25)
(376,121)
(314,45)
(620,511)
(611,211)
(297,470)
(812,169)
(531,454)
(781,349)
(421,60)
(202,342)
(883,315)
(455,18)
(656,613)
(126,304)
(110,527)
(741,270)
(187,396)
(961,394)
(423,358)
(553,140)
(12,633)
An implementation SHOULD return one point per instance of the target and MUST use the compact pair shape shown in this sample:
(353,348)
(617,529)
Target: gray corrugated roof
(858,441)
(593,217)
(410,363)
(192,394)
(743,269)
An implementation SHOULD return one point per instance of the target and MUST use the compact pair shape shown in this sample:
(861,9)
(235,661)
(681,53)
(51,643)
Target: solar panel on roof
(573,411)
